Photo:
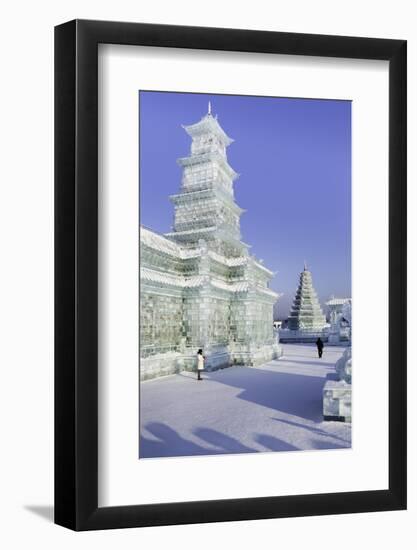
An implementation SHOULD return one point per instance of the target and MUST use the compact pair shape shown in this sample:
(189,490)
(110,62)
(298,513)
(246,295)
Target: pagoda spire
(209,108)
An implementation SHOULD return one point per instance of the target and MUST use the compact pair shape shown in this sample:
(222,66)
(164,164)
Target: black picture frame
(76,273)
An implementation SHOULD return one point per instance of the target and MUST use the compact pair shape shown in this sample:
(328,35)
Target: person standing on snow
(200,363)
(320,346)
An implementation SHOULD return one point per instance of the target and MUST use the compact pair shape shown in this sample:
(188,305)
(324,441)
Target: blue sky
(294,161)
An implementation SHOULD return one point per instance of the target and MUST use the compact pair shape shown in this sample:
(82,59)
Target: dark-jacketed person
(320,346)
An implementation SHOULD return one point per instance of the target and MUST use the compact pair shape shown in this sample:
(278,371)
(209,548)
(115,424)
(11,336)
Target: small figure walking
(320,346)
(200,363)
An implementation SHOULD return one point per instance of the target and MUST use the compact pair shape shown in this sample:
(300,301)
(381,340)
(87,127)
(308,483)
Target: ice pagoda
(200,286)
(306,320)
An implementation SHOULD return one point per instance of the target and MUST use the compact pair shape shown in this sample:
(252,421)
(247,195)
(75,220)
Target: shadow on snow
(277,390)
(316,431)
(170,444)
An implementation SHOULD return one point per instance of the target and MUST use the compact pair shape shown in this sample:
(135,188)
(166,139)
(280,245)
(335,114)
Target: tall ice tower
(200,287)
(205,208)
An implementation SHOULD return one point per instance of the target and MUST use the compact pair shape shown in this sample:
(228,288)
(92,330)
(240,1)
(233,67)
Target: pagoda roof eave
(230,262)
(201,231)
(207,124)
(162,244)
(183,197)
(204,157)
(208,231)
(263,268)
(148,275)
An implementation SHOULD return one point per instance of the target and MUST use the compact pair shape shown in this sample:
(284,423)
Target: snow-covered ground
(274,407)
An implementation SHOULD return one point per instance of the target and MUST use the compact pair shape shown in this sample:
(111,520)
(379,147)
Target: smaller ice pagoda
(306,321)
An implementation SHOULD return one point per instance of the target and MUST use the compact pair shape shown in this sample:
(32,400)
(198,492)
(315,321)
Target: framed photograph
(230,253)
